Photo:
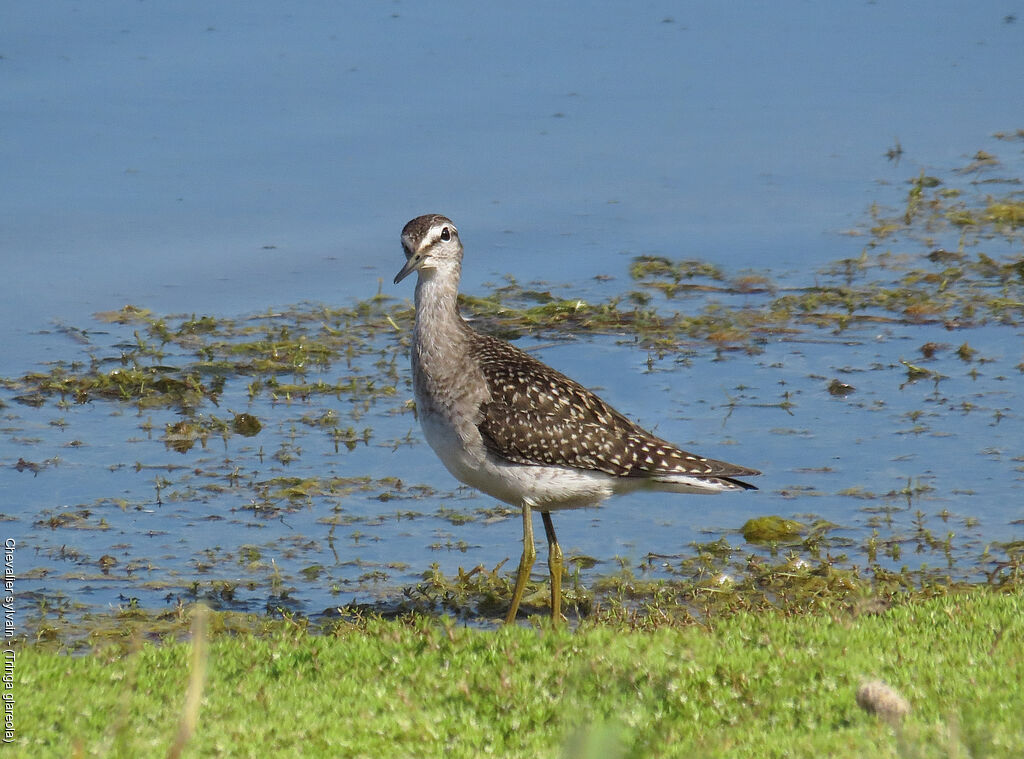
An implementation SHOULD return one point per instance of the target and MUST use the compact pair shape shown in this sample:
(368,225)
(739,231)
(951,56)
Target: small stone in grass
(875,697)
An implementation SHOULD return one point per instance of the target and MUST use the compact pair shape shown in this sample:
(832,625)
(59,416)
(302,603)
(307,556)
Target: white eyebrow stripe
(432,236)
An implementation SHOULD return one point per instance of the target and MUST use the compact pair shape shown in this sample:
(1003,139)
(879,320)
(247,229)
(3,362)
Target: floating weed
(350,437)
(915,372)
(246,425)
(327,418)
(453,516)
(966,353)
(840,389)
(771,529)
(913,490)
(857,492)
(956,289)
(127,314)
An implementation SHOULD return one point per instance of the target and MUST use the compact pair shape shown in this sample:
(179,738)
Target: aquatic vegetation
(272,422)
(771,529)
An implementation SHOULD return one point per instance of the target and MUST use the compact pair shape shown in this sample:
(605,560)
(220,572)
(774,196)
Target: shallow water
(226,160)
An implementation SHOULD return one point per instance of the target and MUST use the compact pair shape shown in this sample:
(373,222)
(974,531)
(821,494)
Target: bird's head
(430,242)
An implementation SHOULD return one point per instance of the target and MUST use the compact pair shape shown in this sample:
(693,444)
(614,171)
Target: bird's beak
(409,268)
(411,262)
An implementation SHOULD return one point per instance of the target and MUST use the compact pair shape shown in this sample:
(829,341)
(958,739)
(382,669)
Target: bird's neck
(437,309)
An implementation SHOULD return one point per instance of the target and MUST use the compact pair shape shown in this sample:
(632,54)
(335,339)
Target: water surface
(234,159)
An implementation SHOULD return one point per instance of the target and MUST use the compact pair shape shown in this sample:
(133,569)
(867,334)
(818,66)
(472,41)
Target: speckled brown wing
(536,415)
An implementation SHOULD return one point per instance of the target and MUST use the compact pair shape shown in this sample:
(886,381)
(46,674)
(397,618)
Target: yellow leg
(525,565)
(555,566)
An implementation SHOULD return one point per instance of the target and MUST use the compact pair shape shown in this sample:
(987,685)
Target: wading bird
(505,423)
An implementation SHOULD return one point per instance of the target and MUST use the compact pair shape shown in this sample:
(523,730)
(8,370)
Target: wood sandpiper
(516,429)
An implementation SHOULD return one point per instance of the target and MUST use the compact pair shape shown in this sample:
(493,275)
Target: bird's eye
(445,234)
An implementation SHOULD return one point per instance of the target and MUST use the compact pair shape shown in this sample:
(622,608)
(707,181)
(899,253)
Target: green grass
(743,685)
(765,664)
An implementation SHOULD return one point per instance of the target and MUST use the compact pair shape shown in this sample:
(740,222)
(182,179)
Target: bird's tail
(688,483)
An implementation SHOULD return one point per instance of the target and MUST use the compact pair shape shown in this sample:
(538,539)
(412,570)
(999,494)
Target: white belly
(541,487)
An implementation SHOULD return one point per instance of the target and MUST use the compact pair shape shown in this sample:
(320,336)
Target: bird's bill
(409,268)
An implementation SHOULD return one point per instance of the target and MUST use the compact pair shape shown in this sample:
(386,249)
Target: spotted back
(537,415)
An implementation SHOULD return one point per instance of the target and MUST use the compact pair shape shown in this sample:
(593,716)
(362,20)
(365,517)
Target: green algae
(278,352)
(771,529)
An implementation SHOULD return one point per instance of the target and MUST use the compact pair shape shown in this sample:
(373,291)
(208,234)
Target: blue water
(226,158)
(152,151)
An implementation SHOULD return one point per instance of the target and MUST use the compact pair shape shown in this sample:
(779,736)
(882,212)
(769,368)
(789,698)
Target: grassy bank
(749,684)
